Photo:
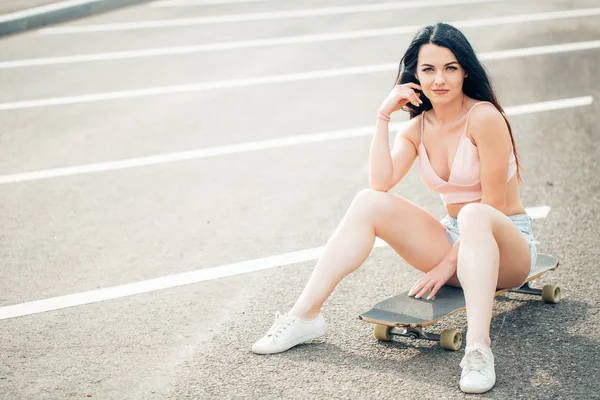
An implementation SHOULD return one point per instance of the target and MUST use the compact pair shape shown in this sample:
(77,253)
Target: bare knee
(474,217)
(369,201)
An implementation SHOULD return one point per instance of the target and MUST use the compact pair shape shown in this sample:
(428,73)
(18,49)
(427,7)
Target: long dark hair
(477,84)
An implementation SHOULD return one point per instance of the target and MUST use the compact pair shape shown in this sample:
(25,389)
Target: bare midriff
(513,204)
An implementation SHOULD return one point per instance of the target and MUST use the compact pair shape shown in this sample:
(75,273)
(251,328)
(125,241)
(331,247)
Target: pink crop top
(464,181)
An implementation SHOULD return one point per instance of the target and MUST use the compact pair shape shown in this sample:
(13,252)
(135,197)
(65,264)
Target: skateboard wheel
(451,339)
(551,294)
(382,332)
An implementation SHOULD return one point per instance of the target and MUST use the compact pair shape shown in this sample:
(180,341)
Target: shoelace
(475,360)
(281,323)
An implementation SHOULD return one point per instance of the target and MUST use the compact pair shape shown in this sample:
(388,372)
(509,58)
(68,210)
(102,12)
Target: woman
(466,153)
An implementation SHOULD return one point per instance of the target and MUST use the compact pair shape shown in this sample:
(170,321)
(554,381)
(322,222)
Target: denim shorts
(522,221)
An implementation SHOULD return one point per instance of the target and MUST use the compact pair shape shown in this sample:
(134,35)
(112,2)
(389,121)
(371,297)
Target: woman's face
(439,73)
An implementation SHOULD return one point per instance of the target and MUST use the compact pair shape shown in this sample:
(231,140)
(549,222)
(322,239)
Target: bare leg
(345,252)
(416,235)
(492,253)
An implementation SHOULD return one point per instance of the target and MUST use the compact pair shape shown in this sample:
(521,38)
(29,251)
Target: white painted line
(45,9)
(190,155)
(194,3)
(538,212)
(549,105)
(165,282)
(261,145)
(541,50)
(197,87)
(245,82)
(263,16)
(324,37)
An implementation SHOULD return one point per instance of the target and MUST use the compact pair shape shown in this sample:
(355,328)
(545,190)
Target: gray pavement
(12,6)
(18,16)
(72,234)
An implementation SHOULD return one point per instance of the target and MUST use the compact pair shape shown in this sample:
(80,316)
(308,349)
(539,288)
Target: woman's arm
(387,168)
(437,277)
(492,138)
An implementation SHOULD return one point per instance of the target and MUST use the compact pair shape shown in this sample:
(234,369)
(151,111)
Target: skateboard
(406,316)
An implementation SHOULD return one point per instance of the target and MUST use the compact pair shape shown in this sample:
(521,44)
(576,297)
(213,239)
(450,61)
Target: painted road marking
(263,16)
(264,80)
(166,282)
(259,145)
(290,40)
(538,212)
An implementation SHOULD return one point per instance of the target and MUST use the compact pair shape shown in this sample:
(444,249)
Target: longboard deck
(402,310)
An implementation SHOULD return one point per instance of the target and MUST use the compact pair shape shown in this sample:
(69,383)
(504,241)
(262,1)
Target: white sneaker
(478,373)
(289,331)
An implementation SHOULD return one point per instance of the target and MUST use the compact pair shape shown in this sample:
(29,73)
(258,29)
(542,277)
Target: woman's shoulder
(484,111)
(485,119)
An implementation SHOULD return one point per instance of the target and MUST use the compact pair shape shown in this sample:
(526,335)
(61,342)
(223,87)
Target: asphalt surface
(77,233)
(11,6)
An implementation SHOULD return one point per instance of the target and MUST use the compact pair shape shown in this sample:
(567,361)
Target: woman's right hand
(399,96)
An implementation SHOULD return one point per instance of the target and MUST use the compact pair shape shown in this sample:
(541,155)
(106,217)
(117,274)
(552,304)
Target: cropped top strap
(469,114)
(466,122)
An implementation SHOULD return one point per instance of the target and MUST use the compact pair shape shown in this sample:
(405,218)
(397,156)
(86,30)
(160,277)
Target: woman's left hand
(433,281)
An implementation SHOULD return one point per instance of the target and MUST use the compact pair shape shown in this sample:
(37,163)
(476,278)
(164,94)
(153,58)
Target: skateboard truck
(414,333)
(450,339)
(550,293)
(526,289)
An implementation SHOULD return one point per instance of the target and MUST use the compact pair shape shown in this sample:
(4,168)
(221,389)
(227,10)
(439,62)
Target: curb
(59,12)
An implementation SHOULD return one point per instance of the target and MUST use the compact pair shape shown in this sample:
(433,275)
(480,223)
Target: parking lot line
(264,80)
(263,16)
(290,40)
(171,281)
(259,145)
